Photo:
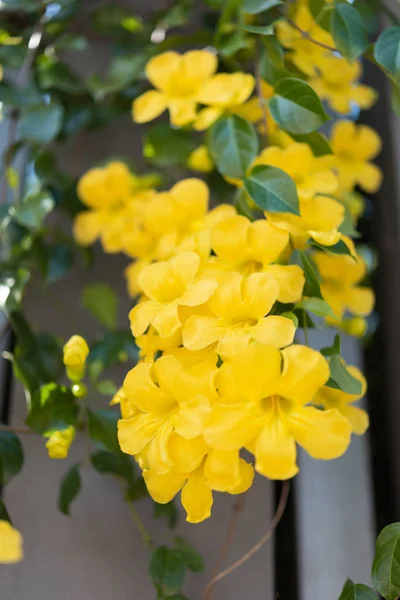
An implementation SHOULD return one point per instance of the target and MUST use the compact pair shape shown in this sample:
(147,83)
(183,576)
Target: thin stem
(144,534)
(236,510)
(305,328)
(265,538)
(20,430)
(307,36)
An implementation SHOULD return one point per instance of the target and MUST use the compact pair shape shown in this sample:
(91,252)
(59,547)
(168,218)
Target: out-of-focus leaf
(11,456)
(69,489)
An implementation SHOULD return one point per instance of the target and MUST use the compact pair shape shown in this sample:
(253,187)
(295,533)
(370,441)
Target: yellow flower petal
(167,322)
(182,111)
(357,418)
(229,239)
(200,160)
(88,226)
(197,497)
(149,106)
(198,292)
(290,279)
(206,117)
(139,387)
(10,544)
(246,473)
(275,450)
(222,470)
(274,330)
(163,487)
(188,422)
(186,455)
(199,332)
(264,364)
(142,315)
(231,426)
(304,371)
(200,64)
(162,69)
(359,300)
(134,434)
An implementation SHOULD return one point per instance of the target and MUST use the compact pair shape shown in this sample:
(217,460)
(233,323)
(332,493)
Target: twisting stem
(144,534)
(236,510)
(267,536)
(307,36)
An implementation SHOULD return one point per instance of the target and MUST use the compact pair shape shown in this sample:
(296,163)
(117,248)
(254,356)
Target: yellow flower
(304,54)
(340,277)
(356,326)
(320,218)
(10,543)
(200,160)
(331,398)
(253,111)
(239,308)
(168,285)
(151,342)
(354,146)
(337,83)
(264,408)
(171,403)
(248,248)
(223,93)
(59,442)
(75,352)
(178,80)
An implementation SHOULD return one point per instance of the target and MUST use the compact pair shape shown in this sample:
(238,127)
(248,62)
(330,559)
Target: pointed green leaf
(272,189)
(311,287)
(190,557)
(102,426)
(386,565)
(101,300)
(120,464)
(341,379)
(387,51)
(42,123)
(233,144)
(317,306)
(357,591)
(4,515)
(259,29)
(69,489)
(11,456)
(256,6)
(317,142)
(296,107)
(53,407)
(348,31)
(167,569)
(34,208)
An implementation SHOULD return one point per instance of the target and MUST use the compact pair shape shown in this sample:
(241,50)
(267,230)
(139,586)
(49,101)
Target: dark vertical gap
(285,550)
(380,229)
(6,384)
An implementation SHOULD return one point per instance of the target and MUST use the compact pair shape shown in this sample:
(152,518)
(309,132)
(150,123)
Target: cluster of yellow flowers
(220,370)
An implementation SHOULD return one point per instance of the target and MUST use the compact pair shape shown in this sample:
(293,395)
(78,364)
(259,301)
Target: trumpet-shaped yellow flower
(338,83)
(168,285)
(59,443)
(354,146)
(320,218)
(332,398)
(239,308)
(220,471)
(10,544)
(179,80)
(201,160)
(304,54)
(248,248)
(223,93)
(170,403)
(75,353)
(105,186)
(264,407)
(340,277)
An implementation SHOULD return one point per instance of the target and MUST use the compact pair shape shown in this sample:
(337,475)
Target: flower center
(275,403)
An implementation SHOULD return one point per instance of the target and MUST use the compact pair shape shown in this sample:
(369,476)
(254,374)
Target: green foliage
(311,287)
(317,142)
(41,124)
(386,565)
(190,557)
(357,591)
(387,52)
(114,347)
(296,107)
(233,144)
(256,6)
(341,379)
(11,456)
(166,511)
(101,300)
(167,569)
(33,209)
(334,349)
(167,147)
(53,407)
(348,31)
(102,427)
(317,306)
(4,516)
(69,489)
(272,189)
(112,463)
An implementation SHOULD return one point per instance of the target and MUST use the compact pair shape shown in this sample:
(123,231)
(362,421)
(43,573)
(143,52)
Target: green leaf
(101,300)
(259,29)
(102,426)
(106,387)
(138,490)
(357,591)
(386,565)
(334,349)
(191,558)
(41,124)
(167,147)
(110,463)
(233,144)
(396,99)
(4,516)
(272,189)
(321,12)
(317,306)
(296,107)
(317,142)
(114,348)
(69,489)
(256,6)
(339,248)
(290,315)
(166,511)
(272,62)
(34,208)
(60,261)
(311,287)
(71,41)
(53,407)
(167,569)
(387,51)
(348,31)
(341,379)
(11,456)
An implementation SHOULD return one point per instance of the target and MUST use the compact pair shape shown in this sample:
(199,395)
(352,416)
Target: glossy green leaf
(34,208)
(272,189)
(166,511)
(272,62)
(296,107)
(190,557)
(256,6)
(11,456)
(339,248)
(167,569)
(317,142)
(311,287)
(110,463)
(317,306)
(233,144)
(334,349)
(69,489)
(387,51)
(41,124)
(357,591)
(341,379)
(53,407)
(102,427)
(348,31)
(386,565)
(167,147)
(101,300)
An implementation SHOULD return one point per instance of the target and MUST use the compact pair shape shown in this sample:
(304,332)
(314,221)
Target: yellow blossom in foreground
(337,83)
(59,442)
(200,160)
(240,307)
(179,80)
(10,543)
(248,247)
(331,398)
(223,93)
(354,147)
(341,275)
(264,408)
(75,353)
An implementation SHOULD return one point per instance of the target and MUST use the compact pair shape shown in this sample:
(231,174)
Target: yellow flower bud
(10,543)
(200,160)
(59,442)
(76,351)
